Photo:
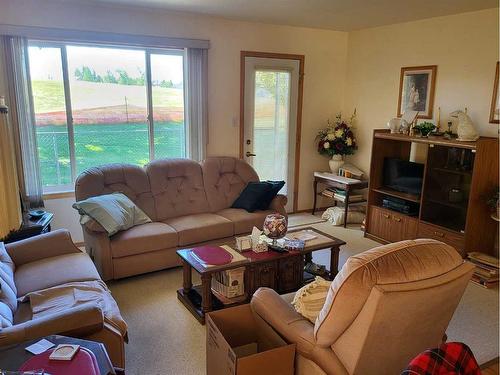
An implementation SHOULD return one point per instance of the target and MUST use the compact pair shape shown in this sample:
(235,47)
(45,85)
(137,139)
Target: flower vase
(335,163)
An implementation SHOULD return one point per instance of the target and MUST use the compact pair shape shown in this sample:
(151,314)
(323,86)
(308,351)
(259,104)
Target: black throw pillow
(269,196)
(252,196)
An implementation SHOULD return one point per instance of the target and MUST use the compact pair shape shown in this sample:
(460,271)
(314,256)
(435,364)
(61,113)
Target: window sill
(58,195)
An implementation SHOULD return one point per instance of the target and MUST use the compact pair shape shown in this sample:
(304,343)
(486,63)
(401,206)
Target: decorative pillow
(115,212)
(8,291)
(252,196)
(309,299)
(269,196)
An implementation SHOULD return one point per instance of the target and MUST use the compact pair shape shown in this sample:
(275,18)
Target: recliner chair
(384,307)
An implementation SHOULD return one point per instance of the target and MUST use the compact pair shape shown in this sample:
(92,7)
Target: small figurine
(465,129)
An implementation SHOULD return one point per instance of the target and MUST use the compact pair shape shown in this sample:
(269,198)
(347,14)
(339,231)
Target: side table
(31,227)
(12,357)
(342,183)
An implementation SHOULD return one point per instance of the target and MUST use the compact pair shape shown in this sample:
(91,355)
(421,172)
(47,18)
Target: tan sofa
(188,202)
(384,307)
(47,262)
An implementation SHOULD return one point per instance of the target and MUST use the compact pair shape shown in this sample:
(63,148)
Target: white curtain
(197,102)
(23,118)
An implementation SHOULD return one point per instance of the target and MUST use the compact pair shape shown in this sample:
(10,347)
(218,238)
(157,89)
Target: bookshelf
(458,176)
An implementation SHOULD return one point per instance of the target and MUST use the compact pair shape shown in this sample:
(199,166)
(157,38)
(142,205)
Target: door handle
(248,154)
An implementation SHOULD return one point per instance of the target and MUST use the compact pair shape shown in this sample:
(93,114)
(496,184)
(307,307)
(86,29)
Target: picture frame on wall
(416,90)
(495,99)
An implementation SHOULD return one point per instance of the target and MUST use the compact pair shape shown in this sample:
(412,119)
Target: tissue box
(259,247)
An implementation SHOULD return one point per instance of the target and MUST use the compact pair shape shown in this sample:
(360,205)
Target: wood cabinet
(390,226)
(283,275)
(451,207)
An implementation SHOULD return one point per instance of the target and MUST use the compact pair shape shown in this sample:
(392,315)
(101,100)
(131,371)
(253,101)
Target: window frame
(62,46)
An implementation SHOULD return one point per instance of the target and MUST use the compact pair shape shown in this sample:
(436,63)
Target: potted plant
(424,128)
(494,202)
(337,140)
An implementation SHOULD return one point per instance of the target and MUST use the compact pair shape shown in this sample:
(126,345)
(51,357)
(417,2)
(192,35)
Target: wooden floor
(490,368)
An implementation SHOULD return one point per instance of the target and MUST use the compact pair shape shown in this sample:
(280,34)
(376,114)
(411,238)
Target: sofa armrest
(77,321)
(282,317)
(43,246)
(278,204)
(93,226)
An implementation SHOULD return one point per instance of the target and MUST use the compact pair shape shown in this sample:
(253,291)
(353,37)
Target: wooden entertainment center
(458,179)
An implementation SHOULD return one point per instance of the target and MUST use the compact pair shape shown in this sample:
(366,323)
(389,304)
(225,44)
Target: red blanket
(449,359)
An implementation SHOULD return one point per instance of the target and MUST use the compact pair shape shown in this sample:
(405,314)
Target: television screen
(403,175)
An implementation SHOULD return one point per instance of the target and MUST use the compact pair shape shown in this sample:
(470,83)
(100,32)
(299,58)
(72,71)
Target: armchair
(48,261)
(384,307)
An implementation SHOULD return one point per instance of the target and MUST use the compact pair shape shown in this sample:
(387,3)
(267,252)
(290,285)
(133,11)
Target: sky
(45,63)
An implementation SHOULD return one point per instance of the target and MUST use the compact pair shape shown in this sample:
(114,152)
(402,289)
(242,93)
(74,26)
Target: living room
(188,67)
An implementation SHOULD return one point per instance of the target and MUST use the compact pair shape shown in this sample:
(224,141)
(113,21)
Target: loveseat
(188,202)
(49,271)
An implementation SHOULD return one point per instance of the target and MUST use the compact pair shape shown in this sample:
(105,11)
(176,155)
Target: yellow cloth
(10,205)
(309,299)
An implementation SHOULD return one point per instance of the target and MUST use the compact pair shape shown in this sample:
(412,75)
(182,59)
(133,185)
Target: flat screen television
(403,175)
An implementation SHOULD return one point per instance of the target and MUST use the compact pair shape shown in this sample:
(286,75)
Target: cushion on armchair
(115,212)
(309,299)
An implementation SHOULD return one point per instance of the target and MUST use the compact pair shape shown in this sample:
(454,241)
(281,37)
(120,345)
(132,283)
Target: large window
(98,104)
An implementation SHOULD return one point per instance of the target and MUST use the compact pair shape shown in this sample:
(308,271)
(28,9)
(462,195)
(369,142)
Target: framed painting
(416,90)
(494,110)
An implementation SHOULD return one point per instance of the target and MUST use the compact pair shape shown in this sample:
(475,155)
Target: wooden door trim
(284,56)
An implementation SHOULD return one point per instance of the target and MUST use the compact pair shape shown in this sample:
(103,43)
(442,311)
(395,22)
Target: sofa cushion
(8,291)
(224,179)
(177,188)
(244,221)
(200,227)
(276,186)
(115,212)
(143,238)
(252,196)
(128,179)
(48,272)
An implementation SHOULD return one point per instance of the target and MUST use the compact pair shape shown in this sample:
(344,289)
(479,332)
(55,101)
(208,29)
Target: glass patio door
(271,94)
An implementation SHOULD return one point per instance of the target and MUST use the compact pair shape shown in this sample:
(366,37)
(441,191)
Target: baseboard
(309,210)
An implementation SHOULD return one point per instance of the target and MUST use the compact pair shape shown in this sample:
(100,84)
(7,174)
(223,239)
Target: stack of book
(340,195)
(487,272)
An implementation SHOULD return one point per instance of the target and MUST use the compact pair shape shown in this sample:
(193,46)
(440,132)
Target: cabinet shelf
(398,194)
(452,171)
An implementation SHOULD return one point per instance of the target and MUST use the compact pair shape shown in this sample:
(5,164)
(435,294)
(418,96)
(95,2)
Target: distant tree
(78,74)
(87,74)
(110,77)
(167,84)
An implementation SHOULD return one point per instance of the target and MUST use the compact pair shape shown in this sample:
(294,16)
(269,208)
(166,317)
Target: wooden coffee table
(283,272)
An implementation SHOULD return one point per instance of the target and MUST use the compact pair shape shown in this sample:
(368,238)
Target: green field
(97,144)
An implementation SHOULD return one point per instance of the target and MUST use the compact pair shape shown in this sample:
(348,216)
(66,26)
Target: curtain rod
(68,35)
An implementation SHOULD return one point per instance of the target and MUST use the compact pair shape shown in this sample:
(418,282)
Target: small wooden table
(31,227)
(283,272)
(347,187)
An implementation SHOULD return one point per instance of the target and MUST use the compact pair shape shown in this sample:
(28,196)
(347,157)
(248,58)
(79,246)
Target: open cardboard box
(240,343)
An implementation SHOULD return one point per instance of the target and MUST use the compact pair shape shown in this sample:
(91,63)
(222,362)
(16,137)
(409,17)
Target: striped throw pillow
(309,299)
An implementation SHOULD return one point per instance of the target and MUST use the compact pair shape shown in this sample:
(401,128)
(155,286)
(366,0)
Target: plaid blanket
(449,359)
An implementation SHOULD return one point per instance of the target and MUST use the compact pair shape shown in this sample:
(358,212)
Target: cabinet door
(290,273)
(380,223)
(403,228)
(263,275)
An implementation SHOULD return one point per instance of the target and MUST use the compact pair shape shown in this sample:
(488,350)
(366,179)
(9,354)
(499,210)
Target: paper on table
(39,346)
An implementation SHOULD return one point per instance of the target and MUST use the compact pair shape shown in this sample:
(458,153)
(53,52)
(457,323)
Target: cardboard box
(239,343)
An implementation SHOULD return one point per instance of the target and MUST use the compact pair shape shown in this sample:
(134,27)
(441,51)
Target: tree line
(119,76)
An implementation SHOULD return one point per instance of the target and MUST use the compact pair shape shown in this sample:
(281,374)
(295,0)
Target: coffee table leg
(206,298)
(187,283)
(334,261)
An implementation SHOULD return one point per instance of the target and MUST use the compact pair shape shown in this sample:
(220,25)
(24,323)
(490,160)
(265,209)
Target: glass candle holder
(275,227)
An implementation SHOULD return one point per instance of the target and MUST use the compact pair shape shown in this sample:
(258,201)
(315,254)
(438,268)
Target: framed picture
(495,110)
(416,90)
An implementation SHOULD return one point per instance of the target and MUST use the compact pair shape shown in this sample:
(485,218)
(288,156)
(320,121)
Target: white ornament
(465,129)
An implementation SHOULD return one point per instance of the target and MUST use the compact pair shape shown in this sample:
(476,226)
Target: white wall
(463,46)
(366,63)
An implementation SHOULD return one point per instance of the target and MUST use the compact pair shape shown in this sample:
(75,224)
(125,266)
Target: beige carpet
(166,339)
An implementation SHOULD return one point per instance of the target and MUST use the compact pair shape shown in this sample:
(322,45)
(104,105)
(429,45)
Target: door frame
(284,56)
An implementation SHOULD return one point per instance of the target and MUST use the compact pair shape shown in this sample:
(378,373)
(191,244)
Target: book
(484,283)
(484,259)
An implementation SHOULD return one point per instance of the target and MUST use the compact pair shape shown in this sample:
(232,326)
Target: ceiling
(342,15)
